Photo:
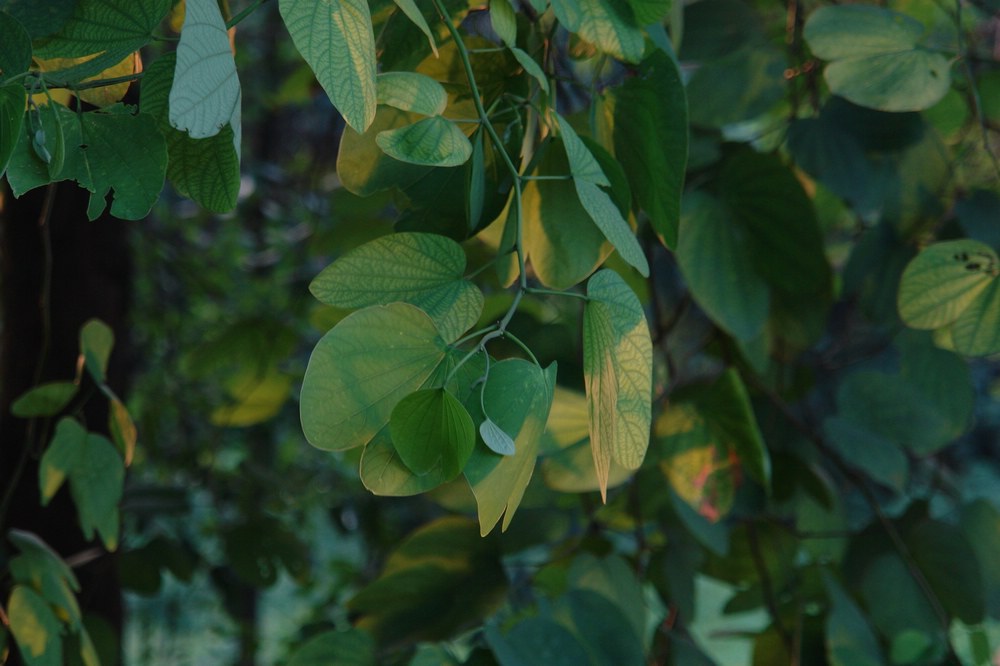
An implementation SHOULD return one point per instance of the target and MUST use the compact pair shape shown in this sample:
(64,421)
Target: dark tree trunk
(85,268)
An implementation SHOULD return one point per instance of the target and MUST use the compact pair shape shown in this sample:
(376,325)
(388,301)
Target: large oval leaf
(943,280)
(335,37)
(617,366)
(362,368)
(431,429)
(422,269)
(434,141)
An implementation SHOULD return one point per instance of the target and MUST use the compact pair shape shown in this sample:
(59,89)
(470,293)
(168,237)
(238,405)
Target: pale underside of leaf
(412,91)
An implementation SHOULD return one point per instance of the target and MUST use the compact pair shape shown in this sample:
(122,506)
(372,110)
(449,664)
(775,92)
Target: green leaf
(876,58)
(362,368)
(941,282)
(608,24)
(253,396)
(882,459)
(609,220)
(977,330)
(425,270)
(15,50)
(35,628)
(504,21)
(409,7)
(343,648)
(850,640)
(122,429)
(582,164)
(25,169)
(112,29)
(562,243)
(518,395)
(430,428)
(96,341)
(40,568)
(337,42)
(44,400)
(475,184)
(40,20)
(617,366)
(714,257)
(496,439)
(96,483)
(206,170)
(612,578)
(61,457)
(950,565)
(434,141)
(205,93)
(532,68)
(743,85)
(411,91)
(536,641)
(650,139)
(12,102)
(650,11)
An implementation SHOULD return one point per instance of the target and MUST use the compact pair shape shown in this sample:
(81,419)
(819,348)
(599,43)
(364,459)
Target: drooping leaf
(606,216)
(608,24)
(714,257)
(108,30)
(504,21)
(876,59)
(44,400)
(409,7)
(532,68)
(412,91)
(362,368)
(850,640)
(425,270)
(15,50)
(582,164)
(205,93)
(40,568)
(122,428)
(206,170)
(650,139)
(434,141)
(617,366)
(345,648)
(35,628)
(496,439)
(430,428)
(26,169)
(518,395)
(337,42)
(12,101)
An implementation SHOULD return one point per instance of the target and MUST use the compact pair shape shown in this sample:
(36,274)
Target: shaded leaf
(532,68)
(40,20)
(409,7)
(431,428)
(343,648)
(15,50)
(504,21)
(434,141)
(35,628)
(850,640)
(582,164)
(44,400)
(337,42)
(96,341)
(96,483)
(12,102)
(61,457)
(40,568)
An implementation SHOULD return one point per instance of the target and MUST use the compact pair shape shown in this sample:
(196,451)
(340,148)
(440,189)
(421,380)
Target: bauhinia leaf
(617,366)
(582,163)
(205,94)
(608,24)
(412,91)
(422,269)
(35,627)
(96,341)
(609,220)
(941,282)
(434,141)
(409,7)
(15,49)
(496,439)
(531,67)
(430,428)
(362,368)
(337,42)
(44,400)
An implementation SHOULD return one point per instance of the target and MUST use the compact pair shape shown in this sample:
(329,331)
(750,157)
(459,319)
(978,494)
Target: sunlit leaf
(425,270)
(44,400)
(941,282)
(976,332)
(608,24)
(504,21)
(430,428)
(362,368)
(384,473)
(876,59)
(35,628)
(337,41)
(205,94)
(617,365)
(411,91)
(434,141)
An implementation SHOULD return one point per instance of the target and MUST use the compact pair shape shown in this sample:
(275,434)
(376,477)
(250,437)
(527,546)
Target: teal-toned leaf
(876,59)
(35,627)
(337,42)
(650,139)
(15,49)
(980,523)
(434,141)
(44,400)
(441,579)
(40,20)
(96,483)
(617,366)
(496,439)
(518,395)
(504,21)
(343,648)
(409,7)
(882,459)
(362,368)
(742,86)
(96,341)
(714,257)
(532,68)
(384,473)
(411,91)
(425,270)
(941,282)
(612,578)
(850,640)
(26,170)
(608,24)
(108,30)
(61,458)
(562,243)
(602,626)
(206,170)
(582,164)
(205,93)
(12,103)
(430,428)
(609,220)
